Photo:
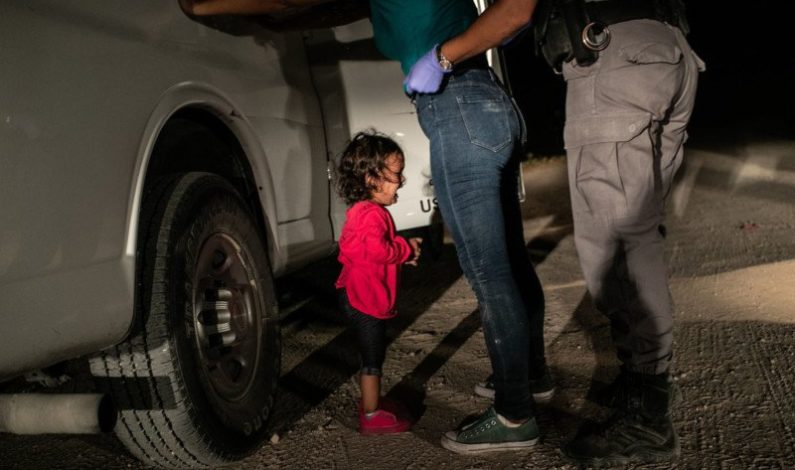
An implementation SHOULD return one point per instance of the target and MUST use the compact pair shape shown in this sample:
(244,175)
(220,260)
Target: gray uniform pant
(625,127)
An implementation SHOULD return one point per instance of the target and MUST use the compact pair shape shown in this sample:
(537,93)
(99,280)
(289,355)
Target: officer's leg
(621,253)
(621,165)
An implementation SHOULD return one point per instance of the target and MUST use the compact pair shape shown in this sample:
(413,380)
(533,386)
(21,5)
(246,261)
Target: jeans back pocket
(487,121)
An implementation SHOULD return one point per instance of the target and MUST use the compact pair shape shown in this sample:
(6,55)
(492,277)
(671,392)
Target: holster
(558,32)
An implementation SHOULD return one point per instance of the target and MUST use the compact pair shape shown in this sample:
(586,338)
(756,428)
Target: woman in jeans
(475,135)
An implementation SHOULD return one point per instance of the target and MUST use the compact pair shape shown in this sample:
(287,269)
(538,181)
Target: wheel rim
(226,316)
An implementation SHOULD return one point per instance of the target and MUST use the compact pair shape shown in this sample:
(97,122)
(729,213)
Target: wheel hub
(226,316)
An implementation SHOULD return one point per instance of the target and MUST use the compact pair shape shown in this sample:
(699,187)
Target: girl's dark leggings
(371,335)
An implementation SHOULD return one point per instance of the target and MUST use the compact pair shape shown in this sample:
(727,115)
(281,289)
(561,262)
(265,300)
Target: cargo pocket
(486,121)
(611,163)
(652,53)
(605,128)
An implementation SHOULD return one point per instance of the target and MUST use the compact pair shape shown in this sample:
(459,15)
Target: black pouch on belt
(558,33)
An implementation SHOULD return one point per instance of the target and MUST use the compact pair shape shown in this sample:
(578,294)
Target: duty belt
(617,11)
(574,29)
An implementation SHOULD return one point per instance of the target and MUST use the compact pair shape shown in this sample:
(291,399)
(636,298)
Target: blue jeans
(474,131)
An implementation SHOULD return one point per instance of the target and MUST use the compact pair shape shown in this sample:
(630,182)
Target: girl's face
(391,179)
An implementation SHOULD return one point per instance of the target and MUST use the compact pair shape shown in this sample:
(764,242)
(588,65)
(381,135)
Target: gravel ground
(732,254)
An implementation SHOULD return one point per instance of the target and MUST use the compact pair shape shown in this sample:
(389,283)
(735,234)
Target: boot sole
(461,448)
(643,455)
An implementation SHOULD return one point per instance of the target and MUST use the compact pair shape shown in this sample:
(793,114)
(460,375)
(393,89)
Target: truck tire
(195,379)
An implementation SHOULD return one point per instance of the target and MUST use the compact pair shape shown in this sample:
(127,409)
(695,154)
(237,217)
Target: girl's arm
(378,248)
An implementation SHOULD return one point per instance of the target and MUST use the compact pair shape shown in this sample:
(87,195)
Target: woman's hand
(426,74)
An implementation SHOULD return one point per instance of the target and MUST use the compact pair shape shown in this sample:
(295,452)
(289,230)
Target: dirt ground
(732,257)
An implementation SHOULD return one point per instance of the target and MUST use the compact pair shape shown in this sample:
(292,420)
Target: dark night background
(747,88)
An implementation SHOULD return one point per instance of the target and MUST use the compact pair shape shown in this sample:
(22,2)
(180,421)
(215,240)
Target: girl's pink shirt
(371,255)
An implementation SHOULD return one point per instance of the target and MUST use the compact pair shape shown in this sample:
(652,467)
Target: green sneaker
(488,434)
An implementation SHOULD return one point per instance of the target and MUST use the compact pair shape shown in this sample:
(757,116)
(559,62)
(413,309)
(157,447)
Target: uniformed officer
(631,83)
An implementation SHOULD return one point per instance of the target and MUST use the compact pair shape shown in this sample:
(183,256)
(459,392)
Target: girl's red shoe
(381,421)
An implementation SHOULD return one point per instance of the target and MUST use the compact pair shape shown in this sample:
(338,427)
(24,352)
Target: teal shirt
(406,29)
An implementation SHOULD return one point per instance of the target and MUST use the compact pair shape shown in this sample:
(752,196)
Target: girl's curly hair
(365,155)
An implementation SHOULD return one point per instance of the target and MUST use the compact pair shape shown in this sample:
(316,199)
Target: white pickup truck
(156,174)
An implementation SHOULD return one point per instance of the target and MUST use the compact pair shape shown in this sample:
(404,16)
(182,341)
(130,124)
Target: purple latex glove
(425,75)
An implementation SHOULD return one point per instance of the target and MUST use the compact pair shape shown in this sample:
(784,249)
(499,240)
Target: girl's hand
(415,246)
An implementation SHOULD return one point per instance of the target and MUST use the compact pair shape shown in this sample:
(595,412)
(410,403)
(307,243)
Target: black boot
(614,394)
(640,430)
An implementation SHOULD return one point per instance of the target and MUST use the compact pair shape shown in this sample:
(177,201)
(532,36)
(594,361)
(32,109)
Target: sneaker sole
(460,448)
(539,397)
(389,430)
